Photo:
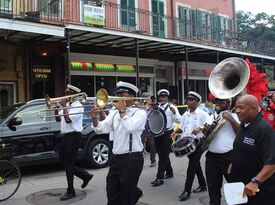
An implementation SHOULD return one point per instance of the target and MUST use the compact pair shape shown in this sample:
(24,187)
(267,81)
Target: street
(45,184)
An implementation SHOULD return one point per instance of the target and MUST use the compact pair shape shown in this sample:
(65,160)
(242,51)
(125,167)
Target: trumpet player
(71,127)
(192,122)
(218,157)
(126,165)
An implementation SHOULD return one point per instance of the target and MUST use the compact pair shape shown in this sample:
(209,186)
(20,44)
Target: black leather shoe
(86,181)
(167,176)
(67,195)
(200,189)
(157,182)
(184,196)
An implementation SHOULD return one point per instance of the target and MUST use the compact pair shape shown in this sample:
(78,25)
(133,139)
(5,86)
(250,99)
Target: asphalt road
(45,184)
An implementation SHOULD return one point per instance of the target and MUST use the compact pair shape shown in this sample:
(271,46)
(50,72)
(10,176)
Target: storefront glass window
(106,82)
(85,83)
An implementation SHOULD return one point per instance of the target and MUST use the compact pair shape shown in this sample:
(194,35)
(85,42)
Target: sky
(256,6)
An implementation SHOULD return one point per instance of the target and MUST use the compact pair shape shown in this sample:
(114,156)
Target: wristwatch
(256,181)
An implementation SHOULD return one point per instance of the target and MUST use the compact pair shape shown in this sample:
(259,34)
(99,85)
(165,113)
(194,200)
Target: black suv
(37,137)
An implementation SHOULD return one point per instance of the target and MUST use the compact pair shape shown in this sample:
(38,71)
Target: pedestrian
(253,159)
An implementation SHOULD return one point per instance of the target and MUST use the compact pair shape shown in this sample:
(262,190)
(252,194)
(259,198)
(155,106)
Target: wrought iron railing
(44,11)
(123,18)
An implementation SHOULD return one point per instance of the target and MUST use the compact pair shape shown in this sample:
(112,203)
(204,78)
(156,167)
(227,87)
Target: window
(32,114)
(193,23)
(128,14)
(203,24)
(183,25)
(48,7)
(158,18)
(5,5)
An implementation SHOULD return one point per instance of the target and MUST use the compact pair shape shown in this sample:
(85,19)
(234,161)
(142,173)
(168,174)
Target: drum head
(156,121)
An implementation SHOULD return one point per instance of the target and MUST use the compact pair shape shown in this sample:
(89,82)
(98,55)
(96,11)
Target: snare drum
(156,122)
(184,146)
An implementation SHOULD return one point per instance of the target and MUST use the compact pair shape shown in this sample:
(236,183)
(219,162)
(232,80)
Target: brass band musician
(71,127)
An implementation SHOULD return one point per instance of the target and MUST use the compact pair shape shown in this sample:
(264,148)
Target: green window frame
(158,18)
(48,7)
(183,25)
(128,14)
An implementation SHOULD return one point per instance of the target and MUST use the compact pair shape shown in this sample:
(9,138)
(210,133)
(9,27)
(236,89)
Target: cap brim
(193,98)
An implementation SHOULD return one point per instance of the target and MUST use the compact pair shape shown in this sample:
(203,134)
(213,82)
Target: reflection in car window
(32,114)
(9,110)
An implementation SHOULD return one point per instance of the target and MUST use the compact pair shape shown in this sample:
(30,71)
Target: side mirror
(14,122)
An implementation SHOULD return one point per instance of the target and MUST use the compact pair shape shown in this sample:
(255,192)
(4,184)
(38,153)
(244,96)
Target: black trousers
(163,146)
(68,155)
(122,179)
(216,166)
(149,140)
(194,168)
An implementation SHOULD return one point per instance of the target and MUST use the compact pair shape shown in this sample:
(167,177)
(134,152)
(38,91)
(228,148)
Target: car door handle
(44,128)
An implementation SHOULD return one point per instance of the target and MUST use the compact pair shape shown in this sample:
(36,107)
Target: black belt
(127,154)
(213,153)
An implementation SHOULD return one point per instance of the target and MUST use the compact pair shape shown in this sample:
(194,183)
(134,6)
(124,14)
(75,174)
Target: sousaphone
(228,79)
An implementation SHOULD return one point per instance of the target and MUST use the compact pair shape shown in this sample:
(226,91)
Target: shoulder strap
(131,136)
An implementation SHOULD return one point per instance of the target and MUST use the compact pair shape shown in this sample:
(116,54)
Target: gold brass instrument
(68,98)
(102,98)
(228,79)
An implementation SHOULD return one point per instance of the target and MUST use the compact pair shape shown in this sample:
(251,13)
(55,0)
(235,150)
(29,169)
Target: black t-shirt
(253,148)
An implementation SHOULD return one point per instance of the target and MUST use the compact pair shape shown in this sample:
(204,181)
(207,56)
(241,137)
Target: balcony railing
(119,17)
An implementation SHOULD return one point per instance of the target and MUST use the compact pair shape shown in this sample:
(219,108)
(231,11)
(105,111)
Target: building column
(137,64)
(68,58)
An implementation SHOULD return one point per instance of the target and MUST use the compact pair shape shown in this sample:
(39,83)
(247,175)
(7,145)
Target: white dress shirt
(191,121)
(171,117)
(132,123)
(223,140)
(77,119)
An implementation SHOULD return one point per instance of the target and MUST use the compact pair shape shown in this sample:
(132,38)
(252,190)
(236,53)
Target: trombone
(101,101)
(102,98)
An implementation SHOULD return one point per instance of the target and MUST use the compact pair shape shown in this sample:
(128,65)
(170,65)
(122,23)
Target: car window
(33,114)
(8,111)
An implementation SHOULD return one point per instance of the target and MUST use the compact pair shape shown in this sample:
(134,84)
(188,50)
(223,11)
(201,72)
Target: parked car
(36,136)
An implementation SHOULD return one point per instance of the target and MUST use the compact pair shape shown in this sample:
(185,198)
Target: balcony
(122,18)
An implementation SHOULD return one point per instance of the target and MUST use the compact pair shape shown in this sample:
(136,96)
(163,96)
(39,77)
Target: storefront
(91,72)
(198,75)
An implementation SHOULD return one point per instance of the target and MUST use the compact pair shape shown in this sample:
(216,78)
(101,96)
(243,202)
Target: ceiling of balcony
(161,48)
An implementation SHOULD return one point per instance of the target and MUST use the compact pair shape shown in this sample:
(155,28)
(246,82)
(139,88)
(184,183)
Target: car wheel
(98,153)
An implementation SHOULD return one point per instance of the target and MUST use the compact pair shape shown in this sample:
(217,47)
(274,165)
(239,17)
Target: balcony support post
(137,65)
(186,87)
(68,57)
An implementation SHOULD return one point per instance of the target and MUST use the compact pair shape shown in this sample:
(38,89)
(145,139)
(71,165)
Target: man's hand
(196,131)
(227,116)
(121,104)
(251,189)
(63,103)
(94,113)
(174,136)
(173,110)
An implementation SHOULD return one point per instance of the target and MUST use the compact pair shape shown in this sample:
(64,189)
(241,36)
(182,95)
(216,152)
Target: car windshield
(4,113)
